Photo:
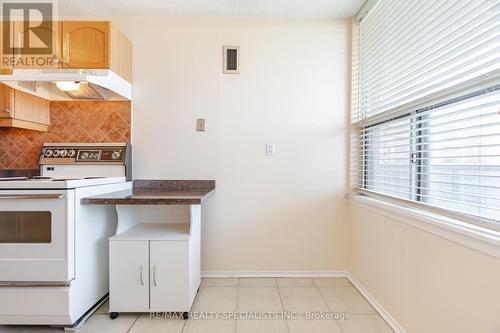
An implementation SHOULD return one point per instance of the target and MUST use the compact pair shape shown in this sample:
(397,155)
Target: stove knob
(56,153)
(71,153)
(64,153)
(115,155)
(48,153)
(84,155)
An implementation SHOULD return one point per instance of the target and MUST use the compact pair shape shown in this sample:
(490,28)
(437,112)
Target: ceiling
(278,8)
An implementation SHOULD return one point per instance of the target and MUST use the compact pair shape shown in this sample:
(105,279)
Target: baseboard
(376,305)
(225,274)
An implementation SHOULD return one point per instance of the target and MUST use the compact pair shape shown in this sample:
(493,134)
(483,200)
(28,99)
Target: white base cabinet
(155,267)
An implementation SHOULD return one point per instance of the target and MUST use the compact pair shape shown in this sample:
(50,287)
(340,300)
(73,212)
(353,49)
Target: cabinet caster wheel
(114,315)
(185,315)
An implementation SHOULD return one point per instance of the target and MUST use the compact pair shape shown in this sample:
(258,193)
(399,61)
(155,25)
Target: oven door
(36,237)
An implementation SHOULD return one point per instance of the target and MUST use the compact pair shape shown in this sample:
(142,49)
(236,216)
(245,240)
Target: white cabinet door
(129,276)
(169,265)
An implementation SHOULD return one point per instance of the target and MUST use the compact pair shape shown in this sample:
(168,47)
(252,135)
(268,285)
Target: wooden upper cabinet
(96,44)
(22,110)
(37,60)
(85,44)
(5,67)
(120,53)
(76,44)
(6,101)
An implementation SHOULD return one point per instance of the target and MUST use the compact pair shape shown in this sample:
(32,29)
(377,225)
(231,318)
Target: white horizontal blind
(426,124)
(412,49)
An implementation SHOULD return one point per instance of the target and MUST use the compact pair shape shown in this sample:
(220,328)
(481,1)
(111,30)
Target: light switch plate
(270,149)
(200,125)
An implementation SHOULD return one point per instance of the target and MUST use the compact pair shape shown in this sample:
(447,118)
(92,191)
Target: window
(426,104)
(25,227)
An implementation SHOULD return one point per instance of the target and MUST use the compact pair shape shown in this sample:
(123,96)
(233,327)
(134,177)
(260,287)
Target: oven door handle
(31,196)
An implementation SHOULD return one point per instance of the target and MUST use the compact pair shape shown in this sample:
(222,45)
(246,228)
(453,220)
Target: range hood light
(68,85)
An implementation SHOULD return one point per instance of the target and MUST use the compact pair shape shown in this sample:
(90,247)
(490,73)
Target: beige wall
(281,213)
(427,283)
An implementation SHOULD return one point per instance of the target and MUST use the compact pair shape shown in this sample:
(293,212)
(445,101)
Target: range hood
(83,84)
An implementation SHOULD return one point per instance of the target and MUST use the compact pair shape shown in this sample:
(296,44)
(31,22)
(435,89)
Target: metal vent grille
(231,59)
(86,91)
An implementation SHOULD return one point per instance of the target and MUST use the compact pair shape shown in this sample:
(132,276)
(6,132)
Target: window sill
(475,237)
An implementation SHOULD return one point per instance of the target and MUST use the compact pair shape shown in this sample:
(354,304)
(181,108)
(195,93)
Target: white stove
(53,249)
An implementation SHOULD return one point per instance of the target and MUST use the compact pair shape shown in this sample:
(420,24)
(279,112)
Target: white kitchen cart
(155,259)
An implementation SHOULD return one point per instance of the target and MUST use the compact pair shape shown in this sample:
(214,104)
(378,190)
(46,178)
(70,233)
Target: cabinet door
(50,60)
(6,101)
(6,55)
(31,108)
(22,110)
(169,264)
(128,276)
(85,44)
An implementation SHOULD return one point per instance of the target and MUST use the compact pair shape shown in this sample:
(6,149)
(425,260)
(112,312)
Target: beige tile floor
(255,295)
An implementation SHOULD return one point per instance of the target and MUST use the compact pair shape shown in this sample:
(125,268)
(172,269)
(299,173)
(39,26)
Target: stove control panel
(86,159)
(60,154)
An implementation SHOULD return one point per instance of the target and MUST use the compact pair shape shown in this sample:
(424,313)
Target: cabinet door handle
(154,275)
(142,270)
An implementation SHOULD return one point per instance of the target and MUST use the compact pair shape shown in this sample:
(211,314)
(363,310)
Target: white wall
(427,283)
(282,213)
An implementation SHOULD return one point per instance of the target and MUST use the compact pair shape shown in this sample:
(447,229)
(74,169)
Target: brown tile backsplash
(74,121)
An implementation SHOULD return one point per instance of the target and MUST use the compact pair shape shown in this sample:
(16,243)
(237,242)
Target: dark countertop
(157,192)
